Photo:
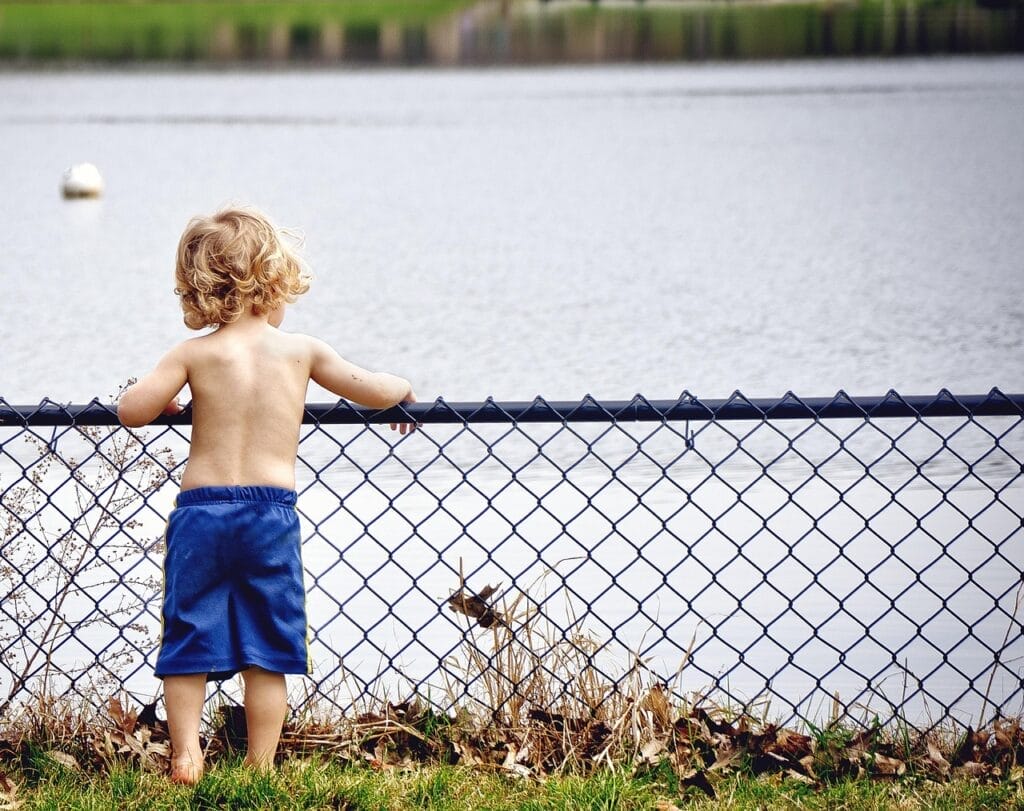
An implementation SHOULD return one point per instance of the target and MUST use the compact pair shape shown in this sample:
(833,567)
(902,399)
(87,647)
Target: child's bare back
(248,382)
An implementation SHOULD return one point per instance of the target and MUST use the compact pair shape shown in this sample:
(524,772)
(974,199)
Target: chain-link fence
(789,556)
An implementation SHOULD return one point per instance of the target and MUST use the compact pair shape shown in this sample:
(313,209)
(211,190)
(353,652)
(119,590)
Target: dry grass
(533,703)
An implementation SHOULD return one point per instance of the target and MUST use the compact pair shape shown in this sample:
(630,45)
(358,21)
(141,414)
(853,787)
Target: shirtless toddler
(234,599)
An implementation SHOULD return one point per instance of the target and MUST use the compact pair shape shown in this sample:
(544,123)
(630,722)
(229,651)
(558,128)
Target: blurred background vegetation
(452,32)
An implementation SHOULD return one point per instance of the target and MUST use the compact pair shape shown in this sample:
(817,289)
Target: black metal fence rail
(687,407)
(852,554)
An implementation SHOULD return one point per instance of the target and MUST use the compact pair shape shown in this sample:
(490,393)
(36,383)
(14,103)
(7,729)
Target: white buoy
(82,180)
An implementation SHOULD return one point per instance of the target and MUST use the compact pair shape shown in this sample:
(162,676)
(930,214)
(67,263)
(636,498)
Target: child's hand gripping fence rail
(826,555)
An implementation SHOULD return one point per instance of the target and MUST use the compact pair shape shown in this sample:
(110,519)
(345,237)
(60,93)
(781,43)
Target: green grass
(184,30)
(321,784)
(221,30)
(907,793)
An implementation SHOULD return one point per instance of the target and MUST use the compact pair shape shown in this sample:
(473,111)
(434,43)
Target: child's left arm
(156,393)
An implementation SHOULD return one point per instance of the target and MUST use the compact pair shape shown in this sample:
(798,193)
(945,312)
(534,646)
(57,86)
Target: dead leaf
(520,770)
(973,769)
(715,727)
(807,764)
(64,759)
(475,606)
(727,758)
(467,755)
(666,805)
(972,747)
(657,701)
(793,774)
(1006,734)
(159,749)
(682,729)
(105,747)
(888,766)
(936,761)
(792,744)
(124,721)
(650,753)
(133,745)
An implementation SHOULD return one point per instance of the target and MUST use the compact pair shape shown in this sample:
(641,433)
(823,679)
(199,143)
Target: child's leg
(266,705)
(185,696)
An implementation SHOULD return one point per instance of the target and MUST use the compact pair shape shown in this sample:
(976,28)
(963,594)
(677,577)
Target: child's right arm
(371,389)
(156,393)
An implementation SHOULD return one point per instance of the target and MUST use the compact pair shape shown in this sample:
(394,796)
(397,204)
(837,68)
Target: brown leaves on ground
(127,738)
(79,741)
(996,753)
(704,747)
(396,735)
(701,746)
(844,753)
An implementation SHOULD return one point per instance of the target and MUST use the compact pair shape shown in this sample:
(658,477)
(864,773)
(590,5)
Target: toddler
(234,599)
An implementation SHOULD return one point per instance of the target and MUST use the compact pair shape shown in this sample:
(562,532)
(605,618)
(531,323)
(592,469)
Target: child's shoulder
(308,344)
(190,346)
(188,351)
(195,350)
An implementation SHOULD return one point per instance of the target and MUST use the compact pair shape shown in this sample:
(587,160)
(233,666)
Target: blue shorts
(233,590)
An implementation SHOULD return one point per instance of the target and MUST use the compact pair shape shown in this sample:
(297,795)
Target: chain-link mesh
(820,555)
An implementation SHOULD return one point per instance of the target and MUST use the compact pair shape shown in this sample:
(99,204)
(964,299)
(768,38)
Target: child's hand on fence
(406,427)
(172,408)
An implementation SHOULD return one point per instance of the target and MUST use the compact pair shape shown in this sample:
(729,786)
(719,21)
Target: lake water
(611,230)
(808,226)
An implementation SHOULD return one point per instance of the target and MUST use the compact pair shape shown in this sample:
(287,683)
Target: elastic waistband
(251,493)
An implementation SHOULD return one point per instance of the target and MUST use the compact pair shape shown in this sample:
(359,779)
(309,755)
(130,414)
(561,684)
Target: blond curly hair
(234,260)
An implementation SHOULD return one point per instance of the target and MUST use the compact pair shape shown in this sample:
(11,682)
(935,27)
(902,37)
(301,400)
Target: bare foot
(186,771)
(259,765)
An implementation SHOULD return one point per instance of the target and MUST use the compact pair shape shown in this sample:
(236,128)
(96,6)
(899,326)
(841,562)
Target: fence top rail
(639,409)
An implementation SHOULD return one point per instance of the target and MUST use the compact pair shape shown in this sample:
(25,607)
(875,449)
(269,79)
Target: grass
(224,31)
(567,735)
(538,720)
(401,757)
(186,31)
(321,784)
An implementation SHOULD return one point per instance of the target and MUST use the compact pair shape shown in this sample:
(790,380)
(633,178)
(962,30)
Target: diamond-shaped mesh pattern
(859,552)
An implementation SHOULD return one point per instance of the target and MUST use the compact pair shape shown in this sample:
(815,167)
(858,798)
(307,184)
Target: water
(610,230)
(809,226)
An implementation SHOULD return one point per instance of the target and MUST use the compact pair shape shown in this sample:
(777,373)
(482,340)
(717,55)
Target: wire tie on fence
(687,399)
(52,444)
